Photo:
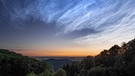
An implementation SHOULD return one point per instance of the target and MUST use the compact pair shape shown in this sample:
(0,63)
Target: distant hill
(57,63)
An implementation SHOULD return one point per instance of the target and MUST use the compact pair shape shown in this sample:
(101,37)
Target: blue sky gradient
(66,23)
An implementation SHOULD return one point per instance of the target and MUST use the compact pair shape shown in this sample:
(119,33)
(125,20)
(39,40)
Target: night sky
(62,27)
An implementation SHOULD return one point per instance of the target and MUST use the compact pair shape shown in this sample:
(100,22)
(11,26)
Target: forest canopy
(116,61)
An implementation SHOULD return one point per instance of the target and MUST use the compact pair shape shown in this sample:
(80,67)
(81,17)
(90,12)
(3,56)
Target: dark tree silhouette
(117,61)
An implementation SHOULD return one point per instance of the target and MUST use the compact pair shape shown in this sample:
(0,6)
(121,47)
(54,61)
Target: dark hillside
(13,64)
(117,61)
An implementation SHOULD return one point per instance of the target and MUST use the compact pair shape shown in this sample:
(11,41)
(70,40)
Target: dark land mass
(116,61)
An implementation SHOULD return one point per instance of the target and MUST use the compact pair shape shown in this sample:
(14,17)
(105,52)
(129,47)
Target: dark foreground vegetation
(13,64)
(117,61)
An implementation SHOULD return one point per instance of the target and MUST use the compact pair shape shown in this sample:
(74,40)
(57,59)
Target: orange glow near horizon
(74,52)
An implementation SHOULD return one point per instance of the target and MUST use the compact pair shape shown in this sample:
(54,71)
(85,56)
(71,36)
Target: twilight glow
(65,27)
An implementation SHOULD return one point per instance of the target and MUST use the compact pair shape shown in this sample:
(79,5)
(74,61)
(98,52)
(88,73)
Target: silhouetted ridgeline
(13,64)
(117,61)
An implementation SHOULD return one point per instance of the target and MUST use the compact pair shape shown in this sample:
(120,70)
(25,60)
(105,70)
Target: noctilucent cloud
(90,24)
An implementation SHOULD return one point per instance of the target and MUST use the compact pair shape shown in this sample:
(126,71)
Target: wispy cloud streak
(87,22)
(116,22)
